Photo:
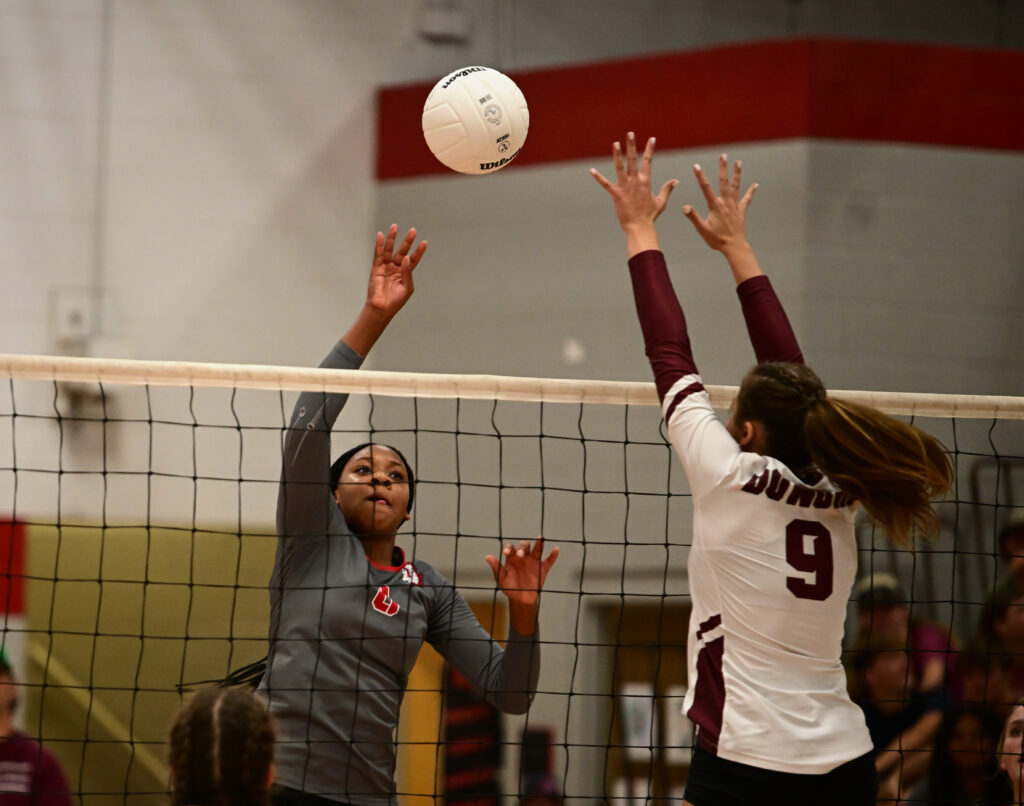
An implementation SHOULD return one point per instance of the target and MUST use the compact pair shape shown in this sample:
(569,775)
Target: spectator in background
(1011,749)
(883,611)
(222,750)
(541,789)
(987,680)
(29,773)
(901,719)
(1001,630)
(1011,544)
(963,762)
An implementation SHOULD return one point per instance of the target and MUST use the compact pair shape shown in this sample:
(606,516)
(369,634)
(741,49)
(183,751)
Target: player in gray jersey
(349,611)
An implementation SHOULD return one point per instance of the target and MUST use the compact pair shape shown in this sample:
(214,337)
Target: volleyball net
(137,502)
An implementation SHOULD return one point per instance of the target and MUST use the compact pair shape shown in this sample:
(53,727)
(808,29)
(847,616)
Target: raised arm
(306,463)
(666,340)
(724,230)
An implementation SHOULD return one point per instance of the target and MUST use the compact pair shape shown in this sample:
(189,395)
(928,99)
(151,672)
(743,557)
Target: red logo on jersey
(384,603)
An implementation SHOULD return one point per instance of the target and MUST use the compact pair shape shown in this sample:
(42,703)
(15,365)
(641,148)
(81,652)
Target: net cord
(72,369)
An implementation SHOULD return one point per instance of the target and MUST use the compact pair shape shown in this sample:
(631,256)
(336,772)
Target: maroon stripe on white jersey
(709,693)
(681,396)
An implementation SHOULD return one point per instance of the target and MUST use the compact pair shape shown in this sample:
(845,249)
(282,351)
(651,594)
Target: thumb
(698,223)
(495,565)
(666,191)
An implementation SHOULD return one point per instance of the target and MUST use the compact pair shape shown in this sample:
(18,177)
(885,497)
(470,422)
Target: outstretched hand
(725,226)
(391,282)
(521,577)
(636,206)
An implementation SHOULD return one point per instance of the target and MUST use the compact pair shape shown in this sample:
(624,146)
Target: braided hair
(222,748)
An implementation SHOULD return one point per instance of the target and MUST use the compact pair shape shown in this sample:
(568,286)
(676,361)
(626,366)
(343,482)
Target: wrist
(742,261)
(366,329)
(737,250)
(523,617)
(641,237)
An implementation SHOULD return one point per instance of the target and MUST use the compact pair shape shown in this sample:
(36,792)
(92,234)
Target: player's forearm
(366,329)
(666,340)
(523,617)
(742,261)
(771,334)
(641,238)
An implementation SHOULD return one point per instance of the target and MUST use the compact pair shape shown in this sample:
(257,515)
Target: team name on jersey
(774,485)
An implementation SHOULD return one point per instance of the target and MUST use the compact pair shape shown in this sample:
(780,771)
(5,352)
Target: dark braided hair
(222,748)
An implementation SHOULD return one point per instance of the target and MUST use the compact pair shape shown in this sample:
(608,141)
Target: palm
(391,282)
(631,194)
(390,287)
(522,575)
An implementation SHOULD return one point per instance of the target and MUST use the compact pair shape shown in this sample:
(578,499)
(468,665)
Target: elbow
(516,702)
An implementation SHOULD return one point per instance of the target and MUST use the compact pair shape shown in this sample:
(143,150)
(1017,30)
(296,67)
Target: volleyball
(475,120)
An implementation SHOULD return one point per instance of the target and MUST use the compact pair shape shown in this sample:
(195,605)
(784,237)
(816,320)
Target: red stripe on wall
(805,88)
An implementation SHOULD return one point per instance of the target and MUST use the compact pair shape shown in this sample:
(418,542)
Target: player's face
(1010,753)
(373,491)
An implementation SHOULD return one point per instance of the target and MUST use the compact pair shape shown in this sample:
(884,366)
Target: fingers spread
(645,166)
(601,180)
(495,565)
(723,174)
(748,197)
(417,255)
(406,245)
(620,171)
(735,184)
(631,153)
(666,189)
(705,186)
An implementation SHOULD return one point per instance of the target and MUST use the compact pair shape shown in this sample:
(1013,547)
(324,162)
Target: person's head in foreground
(222,750)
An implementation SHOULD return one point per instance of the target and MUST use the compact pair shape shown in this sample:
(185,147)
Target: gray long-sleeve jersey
(345,633)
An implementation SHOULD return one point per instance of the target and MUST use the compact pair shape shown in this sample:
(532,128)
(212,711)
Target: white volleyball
(475,120)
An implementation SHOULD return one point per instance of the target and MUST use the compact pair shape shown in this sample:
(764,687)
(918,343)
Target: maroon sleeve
(661,319)
(770,332)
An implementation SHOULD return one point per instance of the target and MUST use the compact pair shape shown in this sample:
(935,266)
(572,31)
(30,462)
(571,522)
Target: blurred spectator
(901,719)
(883,610)
(1011,544)
(987,681)
(29,773)
(963,764)
(1011,749)
(1001,630)
(541,789)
